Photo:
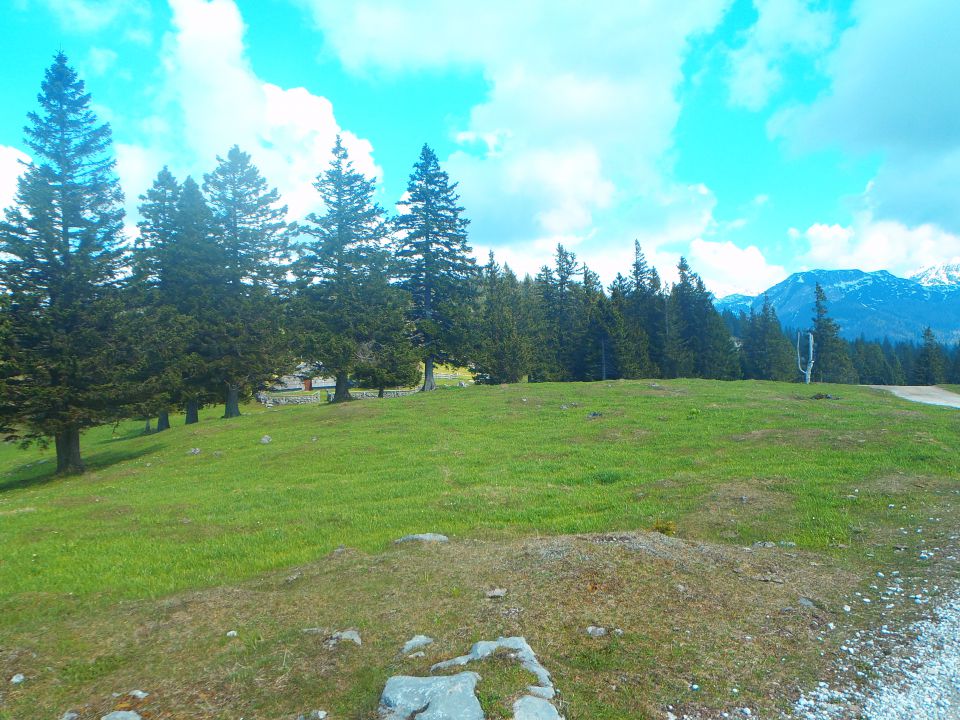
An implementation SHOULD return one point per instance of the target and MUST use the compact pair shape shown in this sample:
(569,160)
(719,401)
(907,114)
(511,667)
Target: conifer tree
(253,235)
(344,299)
(930,367)
(436,265)
(503,352)
(60,255)
(766,352)
(832,358)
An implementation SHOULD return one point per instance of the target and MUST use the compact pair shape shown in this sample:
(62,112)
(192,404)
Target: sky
(755,137)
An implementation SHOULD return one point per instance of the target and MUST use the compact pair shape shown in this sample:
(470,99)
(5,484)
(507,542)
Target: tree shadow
(43,471)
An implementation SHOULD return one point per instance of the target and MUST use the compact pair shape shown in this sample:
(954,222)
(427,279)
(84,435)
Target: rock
(534,708)
(417,655)
(764,544)
(415,643)
(18,678)
(807,603)
(431,698)
(266,440)
(423,537)
(461,384)
(313,715)
(594,415)
(596,632)
(338,637)
(193,451)
(618,632)
(231,633)
(122,715)
(139,694)
(496,594)
(70,715)
(485,648)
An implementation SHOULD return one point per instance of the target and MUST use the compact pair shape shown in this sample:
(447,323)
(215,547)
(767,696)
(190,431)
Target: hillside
(132,575)
(873,304)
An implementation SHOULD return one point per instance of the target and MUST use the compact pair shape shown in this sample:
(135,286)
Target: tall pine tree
(437,267)
(60,256)
(833,362)
(250,224)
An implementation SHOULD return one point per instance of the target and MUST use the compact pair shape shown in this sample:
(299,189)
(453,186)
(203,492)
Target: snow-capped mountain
(873,304)
(939,275)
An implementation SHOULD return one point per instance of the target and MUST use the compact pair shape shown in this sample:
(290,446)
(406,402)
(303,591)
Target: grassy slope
(728,462)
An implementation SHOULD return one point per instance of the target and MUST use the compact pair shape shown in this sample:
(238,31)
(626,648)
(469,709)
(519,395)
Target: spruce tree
(344,299)
(833,362)
(437,268)
(60,257)
(503,351)
(930,367)
(251,229)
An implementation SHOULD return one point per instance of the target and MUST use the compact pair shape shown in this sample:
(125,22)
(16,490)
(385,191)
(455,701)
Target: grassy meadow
(130,576)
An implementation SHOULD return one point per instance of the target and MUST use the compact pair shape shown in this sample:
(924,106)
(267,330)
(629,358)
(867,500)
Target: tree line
(220,293)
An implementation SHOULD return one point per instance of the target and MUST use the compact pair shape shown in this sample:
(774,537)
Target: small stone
(764,544)
(496,594)
(122,715)
(18,678)
(423,537)
(344,635)
(596,632)
(314,715)
(266,440)
(70,715)
(695,687)
(594,415)
(417,655)
(807,603)
(139,694)
(847,608)
(231,633)
(415,643)
(193,451)
(618,632)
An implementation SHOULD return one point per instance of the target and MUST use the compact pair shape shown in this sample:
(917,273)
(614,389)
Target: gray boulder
(431,698)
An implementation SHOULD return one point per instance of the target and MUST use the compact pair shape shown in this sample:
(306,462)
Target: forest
(220,292)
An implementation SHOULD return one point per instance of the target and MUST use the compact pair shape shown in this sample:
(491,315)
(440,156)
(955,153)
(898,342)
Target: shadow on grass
(43,471)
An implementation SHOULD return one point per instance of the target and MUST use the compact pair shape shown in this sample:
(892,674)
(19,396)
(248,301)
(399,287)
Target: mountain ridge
(875,305)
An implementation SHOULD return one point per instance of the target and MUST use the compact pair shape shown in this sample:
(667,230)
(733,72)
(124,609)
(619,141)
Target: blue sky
(756,137)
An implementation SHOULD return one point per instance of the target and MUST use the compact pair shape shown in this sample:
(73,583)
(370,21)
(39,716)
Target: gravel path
(926,394)
(922,681)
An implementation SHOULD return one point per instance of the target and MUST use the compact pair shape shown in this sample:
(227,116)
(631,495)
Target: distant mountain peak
(939,275)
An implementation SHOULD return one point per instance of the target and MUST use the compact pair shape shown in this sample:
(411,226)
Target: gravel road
(922,682)
(926,394)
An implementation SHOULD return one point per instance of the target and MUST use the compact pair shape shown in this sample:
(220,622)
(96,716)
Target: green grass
(728,463)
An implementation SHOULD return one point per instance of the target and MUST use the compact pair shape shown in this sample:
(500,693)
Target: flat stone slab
(450,697)
(533,708)
(485,648)
(424,537)
(415,643)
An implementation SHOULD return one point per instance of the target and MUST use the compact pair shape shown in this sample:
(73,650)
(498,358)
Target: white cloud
(871,244)
(727,269)
(573,139)
(892,95)
(100,60)
(10,170)
(212,98)
(783,28)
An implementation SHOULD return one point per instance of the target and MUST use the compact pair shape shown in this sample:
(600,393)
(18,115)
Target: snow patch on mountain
(939,275)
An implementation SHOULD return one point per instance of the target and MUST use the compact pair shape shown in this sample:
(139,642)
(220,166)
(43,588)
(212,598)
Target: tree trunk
(146,428)
(232,407)
(68,451)
(342,391)
(193,412)
(163,420)
(428,381)
(380,393)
